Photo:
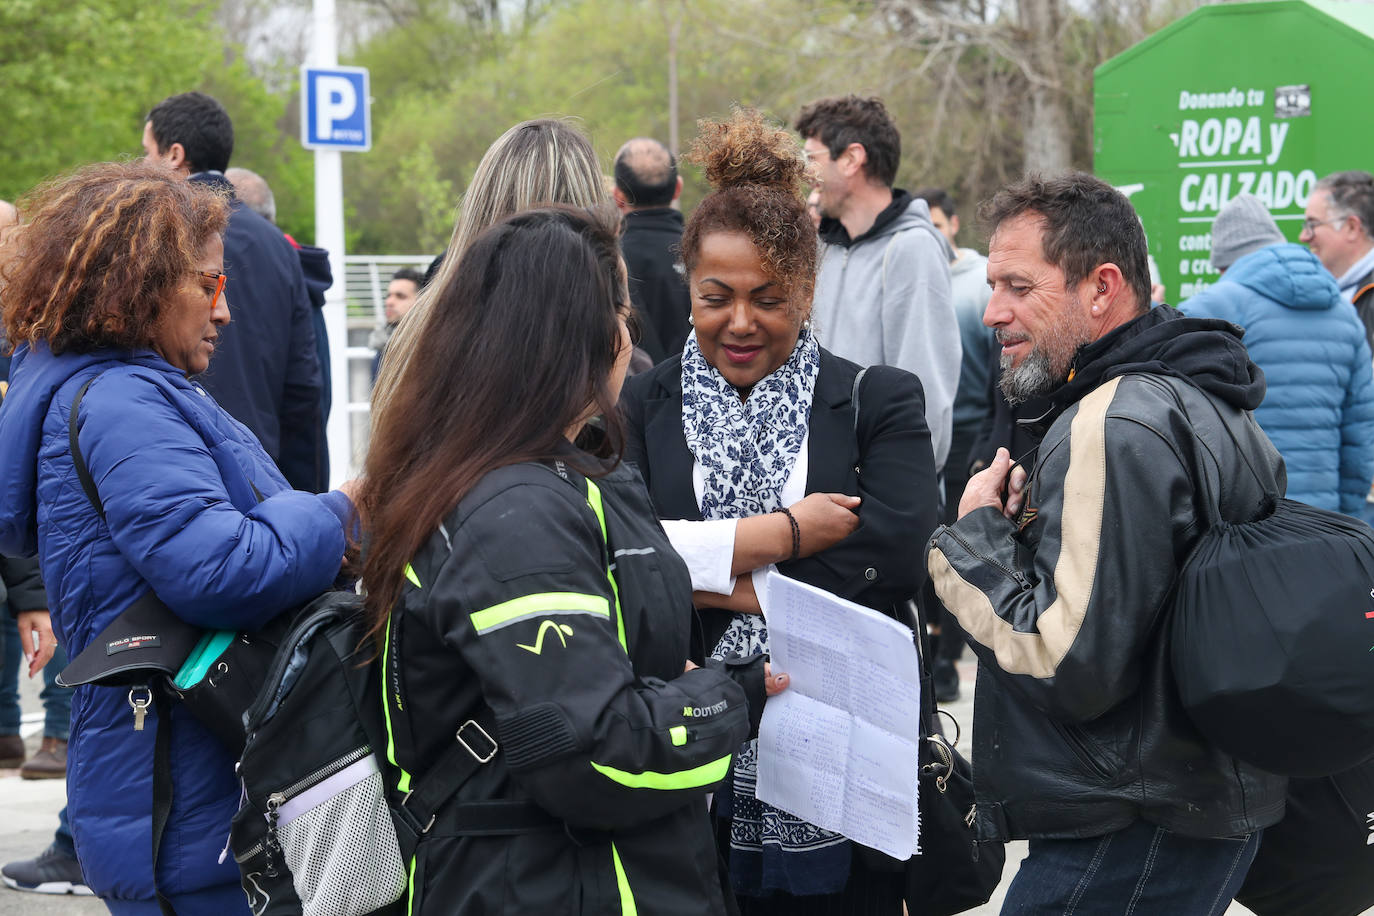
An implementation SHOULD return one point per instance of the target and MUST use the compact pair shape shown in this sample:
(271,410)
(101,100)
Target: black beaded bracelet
(796,531)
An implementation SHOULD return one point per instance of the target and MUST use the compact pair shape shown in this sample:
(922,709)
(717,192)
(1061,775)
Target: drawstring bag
(1272,636)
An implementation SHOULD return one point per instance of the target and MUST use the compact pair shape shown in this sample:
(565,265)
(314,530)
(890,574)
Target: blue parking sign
(335,109)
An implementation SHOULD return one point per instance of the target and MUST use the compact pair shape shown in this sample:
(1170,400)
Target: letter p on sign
(335,109)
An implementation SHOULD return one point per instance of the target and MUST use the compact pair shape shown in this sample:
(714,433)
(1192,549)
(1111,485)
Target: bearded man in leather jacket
(1062,576)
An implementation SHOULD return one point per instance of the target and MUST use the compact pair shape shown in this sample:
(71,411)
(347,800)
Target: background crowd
(595,414)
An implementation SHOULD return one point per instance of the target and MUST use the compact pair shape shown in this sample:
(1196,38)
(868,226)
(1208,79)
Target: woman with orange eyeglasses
(114,295)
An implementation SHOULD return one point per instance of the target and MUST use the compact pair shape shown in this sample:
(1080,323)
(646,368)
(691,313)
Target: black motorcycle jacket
(556,603)
(1078,729)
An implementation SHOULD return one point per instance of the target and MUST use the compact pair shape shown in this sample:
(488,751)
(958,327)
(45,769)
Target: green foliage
(79,78)
(449,76)
(602,62)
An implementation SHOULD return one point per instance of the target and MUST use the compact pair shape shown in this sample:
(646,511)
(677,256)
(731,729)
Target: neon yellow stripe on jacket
(594,499)
(518,609)
(622,883)
(695,778)
(403,784)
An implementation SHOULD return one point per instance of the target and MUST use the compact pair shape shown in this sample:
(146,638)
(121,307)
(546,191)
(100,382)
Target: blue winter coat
(1319,411)
(176,476)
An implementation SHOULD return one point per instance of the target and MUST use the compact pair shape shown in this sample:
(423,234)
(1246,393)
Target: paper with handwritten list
(838,746)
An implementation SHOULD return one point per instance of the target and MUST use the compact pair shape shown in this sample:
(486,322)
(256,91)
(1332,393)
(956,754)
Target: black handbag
(157,655)
(954,872)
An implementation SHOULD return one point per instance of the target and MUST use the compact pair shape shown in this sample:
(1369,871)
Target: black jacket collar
(658,217)
(833,232)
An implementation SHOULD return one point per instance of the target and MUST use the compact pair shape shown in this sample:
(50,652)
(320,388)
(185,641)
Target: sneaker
(53,872)
(49,763)
(11,751)
(945,678)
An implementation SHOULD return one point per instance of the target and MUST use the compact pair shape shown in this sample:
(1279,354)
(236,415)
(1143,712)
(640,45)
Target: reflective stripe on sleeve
(518,609)
(695,778)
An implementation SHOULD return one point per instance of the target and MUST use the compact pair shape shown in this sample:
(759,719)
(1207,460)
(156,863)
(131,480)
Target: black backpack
(1272,636)
(319,832)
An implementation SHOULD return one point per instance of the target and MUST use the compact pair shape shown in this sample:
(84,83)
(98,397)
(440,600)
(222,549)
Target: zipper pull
(1021,580)
(140,704)
(270,843)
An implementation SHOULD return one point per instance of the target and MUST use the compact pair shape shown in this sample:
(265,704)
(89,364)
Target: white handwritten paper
(838,746)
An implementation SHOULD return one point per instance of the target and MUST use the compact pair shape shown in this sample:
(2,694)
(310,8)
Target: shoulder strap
(83,473)
(473,747)
(1214,499)
(854,397)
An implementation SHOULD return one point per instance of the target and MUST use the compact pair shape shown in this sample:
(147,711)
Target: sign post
(335,116)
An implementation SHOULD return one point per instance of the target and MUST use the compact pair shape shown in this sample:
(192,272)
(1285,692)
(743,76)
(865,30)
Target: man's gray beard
(1029,380)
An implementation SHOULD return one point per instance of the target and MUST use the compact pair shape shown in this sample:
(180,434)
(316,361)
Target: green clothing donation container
(1259,97)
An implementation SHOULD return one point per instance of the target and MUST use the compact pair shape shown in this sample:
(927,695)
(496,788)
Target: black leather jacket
(1078,729)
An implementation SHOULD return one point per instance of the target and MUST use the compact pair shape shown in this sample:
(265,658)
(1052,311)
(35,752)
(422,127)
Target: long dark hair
(523,339)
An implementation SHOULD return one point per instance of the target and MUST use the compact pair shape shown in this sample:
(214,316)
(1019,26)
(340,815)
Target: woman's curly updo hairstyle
(100,254)
(759,173)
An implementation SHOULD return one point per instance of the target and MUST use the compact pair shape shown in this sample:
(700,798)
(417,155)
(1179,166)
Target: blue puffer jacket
(1319,411)
(176,475)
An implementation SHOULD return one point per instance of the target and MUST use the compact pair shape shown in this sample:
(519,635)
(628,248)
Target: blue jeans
(57,701)
(10,660)
(1140,870)
(62,839)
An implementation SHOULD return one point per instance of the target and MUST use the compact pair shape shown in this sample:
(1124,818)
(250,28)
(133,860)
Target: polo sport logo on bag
(560,630)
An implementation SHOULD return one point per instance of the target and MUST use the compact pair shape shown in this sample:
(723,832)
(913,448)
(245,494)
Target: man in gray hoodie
(883,290)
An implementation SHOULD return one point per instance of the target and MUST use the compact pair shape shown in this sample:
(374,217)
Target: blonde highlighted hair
(543,161)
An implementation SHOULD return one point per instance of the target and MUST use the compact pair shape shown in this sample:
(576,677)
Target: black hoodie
(1164,342)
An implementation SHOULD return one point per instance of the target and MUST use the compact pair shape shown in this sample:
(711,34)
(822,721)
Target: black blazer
(889,464)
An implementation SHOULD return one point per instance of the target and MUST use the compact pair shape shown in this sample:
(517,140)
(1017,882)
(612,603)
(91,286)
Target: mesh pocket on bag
(339,841)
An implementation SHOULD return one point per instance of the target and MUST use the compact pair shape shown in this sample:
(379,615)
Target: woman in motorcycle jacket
(520,587)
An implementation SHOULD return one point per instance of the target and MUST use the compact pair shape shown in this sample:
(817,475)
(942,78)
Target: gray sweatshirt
(884,299)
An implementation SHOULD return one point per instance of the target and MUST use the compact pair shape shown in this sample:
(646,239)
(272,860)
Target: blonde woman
(542,161)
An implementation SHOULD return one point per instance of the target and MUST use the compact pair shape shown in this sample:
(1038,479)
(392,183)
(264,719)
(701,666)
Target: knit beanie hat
(1243,225)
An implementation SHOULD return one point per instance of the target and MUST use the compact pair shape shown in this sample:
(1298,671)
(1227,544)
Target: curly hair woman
(115,295)
(755,459)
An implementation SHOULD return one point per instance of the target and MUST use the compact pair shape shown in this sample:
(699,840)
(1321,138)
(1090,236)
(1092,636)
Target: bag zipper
(285,652)
(319,775)
(1015,575)
(277,799)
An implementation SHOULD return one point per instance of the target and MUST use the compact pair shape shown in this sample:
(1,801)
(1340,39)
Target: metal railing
(366,278)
